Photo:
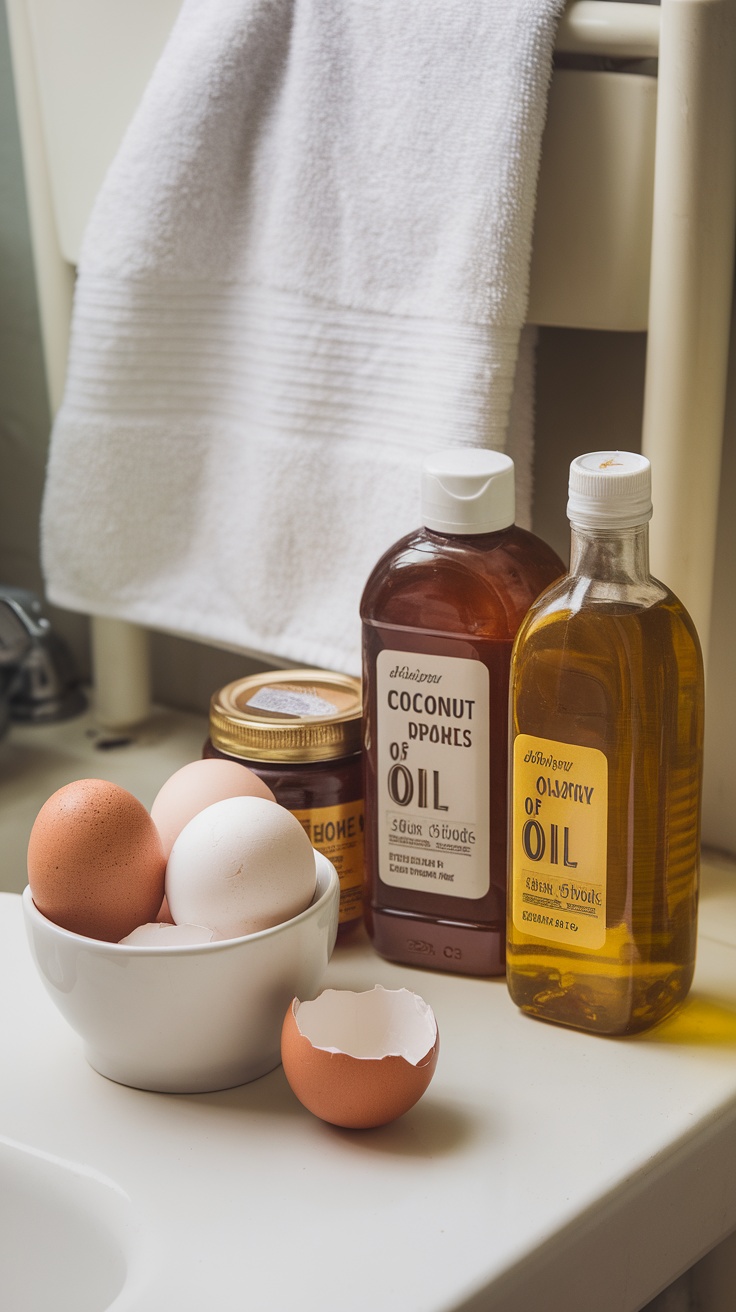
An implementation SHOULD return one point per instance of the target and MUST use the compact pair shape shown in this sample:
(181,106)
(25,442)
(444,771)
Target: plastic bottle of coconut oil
(440,612)
(607,732)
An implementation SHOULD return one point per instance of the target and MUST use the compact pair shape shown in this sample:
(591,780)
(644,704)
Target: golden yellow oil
(627,680)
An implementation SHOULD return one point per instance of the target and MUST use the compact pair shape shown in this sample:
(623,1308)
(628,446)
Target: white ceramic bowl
(186,1019)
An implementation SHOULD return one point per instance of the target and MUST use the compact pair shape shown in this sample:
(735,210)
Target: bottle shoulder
(578,612)
(460,583)
(571,594)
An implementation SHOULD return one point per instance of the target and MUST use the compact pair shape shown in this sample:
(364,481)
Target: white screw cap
(610,489)
(468,490)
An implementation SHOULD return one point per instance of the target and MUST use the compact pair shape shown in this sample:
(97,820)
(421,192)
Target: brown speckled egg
(360,1060)
(95,861)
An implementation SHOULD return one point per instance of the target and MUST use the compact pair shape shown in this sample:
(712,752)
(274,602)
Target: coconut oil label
(559,841)
(433,773)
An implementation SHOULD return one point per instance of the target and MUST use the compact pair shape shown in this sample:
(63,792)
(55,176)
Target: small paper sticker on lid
(286,701)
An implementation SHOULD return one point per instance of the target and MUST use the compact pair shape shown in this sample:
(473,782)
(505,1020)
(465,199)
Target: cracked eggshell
(196,786)
(360,1060)
(240,866)
(160,934)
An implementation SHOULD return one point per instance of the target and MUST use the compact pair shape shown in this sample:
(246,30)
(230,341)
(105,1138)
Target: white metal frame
(694,215)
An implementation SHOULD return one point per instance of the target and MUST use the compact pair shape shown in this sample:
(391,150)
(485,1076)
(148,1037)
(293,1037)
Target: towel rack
(674,242)
(680,277)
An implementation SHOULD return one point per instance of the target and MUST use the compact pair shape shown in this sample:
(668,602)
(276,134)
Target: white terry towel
(307,268)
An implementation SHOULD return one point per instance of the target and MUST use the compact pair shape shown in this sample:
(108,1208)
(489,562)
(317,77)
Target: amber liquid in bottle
(609,659)
(441,595)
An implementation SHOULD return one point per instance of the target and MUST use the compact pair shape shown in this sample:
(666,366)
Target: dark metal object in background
(38,681)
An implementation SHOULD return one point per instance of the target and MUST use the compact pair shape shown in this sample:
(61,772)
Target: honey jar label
(337,832)
(433,767)
(559,841)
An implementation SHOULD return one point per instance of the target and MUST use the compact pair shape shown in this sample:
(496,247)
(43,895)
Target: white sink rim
(50,1204)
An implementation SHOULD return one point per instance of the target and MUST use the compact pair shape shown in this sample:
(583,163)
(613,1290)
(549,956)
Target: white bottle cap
(610,489)
(468,490)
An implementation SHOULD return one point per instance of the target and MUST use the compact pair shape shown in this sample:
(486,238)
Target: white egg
(239,866)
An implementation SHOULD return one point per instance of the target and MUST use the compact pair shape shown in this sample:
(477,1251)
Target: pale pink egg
(196,786)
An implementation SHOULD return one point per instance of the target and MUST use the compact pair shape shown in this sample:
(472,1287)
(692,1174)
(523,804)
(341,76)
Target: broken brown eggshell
(360,1060)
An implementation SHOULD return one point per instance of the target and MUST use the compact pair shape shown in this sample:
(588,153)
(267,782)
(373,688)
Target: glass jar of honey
(300,732)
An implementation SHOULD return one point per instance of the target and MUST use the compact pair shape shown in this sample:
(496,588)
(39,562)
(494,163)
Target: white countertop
(543,1171)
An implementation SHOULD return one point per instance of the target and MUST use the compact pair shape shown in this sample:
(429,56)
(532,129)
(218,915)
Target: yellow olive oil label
(337,832)
(559,841)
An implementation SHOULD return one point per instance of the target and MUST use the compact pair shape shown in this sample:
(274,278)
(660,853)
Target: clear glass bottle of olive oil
(607,733)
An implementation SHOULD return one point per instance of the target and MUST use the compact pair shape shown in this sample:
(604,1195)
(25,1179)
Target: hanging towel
(306,269)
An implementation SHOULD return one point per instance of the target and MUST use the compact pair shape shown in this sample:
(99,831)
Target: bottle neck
(616,555)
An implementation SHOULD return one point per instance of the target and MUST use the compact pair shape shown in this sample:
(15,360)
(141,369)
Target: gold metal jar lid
(288,715)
